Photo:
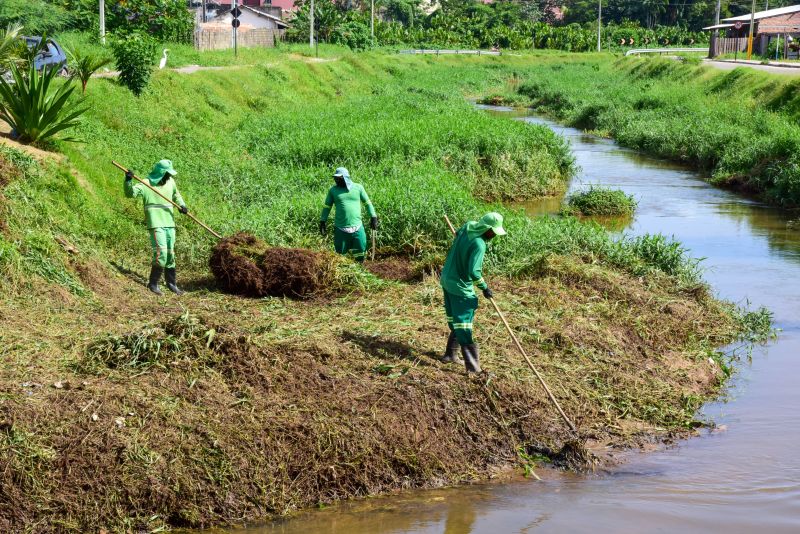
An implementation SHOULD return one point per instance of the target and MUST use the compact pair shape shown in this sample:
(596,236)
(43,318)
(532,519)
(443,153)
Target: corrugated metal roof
(718,27)
(766,14)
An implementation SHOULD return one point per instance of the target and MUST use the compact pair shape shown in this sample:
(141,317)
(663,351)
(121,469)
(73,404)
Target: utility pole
(599,23)
(752,25)
(205,12)
(372,19)
(235,29)
(103,21)
(311,25)
(715,39)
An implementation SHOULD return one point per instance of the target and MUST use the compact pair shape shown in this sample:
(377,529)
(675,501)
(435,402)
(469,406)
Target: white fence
(660,51)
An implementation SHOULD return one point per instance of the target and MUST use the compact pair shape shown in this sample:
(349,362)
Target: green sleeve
(476,264)
(365,200)
(132,190)
(326,210)
(177,198)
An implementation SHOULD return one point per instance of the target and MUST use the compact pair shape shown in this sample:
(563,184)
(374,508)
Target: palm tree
(82,66)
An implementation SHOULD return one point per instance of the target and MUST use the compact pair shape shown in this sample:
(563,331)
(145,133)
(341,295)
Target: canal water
(744,478)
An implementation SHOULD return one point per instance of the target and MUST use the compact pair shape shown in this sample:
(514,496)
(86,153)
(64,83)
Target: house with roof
(259,26)
(252,17)
(779,23)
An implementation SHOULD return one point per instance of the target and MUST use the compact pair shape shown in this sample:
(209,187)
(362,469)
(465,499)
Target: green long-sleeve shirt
(464,264)
(157,212)
(348,205)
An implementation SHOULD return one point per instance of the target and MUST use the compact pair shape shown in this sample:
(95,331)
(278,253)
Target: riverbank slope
(739,127)
(125,411)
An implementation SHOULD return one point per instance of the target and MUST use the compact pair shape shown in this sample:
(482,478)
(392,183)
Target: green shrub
(135,55)
(34,109)
(600,201)
(354,35)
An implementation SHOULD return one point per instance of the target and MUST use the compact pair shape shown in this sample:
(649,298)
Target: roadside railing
(459,52)
(661,51)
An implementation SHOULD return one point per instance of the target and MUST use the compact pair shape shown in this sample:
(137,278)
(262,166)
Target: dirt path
(191,69)
(775,68)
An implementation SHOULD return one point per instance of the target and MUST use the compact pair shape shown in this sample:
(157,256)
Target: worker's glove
(488,293)
(184,210)
(323,227)
(373,223)
(128,175)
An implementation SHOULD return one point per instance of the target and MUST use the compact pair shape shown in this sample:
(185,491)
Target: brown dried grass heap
(245,265)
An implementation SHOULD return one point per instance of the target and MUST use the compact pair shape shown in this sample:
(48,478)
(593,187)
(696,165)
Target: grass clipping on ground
(243,411)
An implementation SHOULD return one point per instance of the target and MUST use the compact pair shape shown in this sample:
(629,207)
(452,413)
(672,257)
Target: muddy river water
(745,478)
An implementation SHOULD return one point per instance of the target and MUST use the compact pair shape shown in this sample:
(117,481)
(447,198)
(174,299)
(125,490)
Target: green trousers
(162,240)
(355,243)
(460,314)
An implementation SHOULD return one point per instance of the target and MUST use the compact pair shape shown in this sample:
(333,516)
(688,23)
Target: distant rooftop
(765,14)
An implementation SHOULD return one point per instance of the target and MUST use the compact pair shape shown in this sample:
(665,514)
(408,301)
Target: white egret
(163,62)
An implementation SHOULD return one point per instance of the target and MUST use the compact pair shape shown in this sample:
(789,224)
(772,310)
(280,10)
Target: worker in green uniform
(348,234)
(160,221)
(462,270)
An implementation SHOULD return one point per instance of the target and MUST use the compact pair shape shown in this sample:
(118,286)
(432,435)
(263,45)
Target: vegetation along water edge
(125,411)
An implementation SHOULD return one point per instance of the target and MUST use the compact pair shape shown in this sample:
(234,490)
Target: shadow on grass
(389,349)
(207,283)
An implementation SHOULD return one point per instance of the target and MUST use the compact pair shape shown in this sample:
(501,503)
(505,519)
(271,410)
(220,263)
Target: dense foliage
(692,14)
(504,24)
(38,16)
(135,55)
(166,20)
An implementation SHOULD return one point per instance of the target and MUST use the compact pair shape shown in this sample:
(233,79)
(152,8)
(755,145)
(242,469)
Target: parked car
(50,56)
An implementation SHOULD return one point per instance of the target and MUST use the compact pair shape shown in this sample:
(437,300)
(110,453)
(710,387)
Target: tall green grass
(739,126)
(255,149)
(600,201)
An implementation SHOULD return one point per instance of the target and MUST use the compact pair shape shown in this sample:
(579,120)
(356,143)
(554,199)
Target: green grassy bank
(738,126)
(123,411)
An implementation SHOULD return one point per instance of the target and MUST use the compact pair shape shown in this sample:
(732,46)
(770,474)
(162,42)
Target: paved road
(775,69)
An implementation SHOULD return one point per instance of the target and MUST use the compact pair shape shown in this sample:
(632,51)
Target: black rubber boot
(471,358)
(172,281)
(451,352)
(155,276)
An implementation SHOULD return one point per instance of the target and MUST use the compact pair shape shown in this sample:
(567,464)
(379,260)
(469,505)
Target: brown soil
(244,265)
(395,268)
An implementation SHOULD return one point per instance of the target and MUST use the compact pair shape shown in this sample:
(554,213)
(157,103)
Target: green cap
(494,221)
(159,169)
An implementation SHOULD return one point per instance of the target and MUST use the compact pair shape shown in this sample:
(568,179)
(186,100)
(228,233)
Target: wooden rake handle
(154,190)
(522,351)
